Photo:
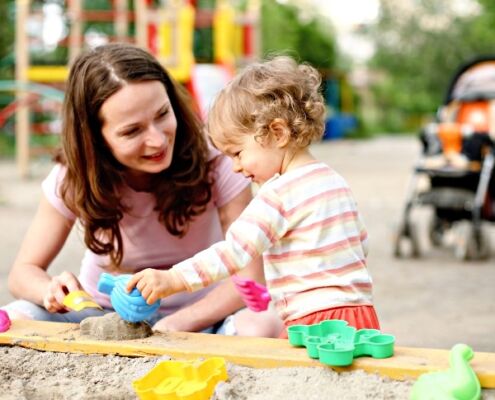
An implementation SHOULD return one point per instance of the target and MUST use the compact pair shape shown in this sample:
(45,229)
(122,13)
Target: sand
(111,327)
(32,374)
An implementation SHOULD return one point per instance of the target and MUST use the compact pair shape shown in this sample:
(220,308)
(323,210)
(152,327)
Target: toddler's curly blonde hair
(278,88)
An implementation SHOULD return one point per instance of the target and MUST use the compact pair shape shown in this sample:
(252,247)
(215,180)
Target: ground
(436,301)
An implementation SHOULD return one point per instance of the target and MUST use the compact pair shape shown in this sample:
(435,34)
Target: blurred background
(387,67)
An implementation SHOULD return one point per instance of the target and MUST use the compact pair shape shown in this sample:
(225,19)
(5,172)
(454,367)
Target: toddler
(303,219)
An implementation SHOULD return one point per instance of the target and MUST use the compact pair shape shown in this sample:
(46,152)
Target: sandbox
(41,360)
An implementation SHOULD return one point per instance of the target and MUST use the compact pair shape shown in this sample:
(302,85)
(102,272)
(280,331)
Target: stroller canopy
(475,80)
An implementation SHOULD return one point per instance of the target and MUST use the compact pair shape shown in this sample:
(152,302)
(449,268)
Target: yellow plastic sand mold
(79,300)
(181,380)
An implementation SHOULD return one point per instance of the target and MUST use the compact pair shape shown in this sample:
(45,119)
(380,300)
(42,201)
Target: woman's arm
(224,299)
(44,239)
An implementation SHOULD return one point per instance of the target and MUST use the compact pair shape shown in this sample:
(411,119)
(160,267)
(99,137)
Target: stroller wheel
(470,246)
(407,242)
(436,231)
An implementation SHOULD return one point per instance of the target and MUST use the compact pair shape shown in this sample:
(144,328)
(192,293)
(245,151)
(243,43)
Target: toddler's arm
(154,284)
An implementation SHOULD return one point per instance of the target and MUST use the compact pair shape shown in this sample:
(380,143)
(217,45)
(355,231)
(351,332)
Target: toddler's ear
(280,132)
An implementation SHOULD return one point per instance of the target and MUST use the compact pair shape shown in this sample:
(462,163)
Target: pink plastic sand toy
(4,321)
(255,295)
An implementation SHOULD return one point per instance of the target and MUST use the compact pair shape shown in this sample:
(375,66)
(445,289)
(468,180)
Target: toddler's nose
(236,166)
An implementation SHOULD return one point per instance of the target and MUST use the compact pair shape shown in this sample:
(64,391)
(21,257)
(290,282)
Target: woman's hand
(171,324)
(58,288)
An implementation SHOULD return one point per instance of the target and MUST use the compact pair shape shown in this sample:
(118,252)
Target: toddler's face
(256,158)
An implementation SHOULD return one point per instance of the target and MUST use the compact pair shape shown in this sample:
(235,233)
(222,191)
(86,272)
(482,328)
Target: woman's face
(139,126)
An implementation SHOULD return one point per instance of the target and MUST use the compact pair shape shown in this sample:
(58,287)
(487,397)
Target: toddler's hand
(255,295)
(154,284)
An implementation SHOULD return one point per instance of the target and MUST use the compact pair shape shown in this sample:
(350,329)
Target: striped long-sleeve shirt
(306,225)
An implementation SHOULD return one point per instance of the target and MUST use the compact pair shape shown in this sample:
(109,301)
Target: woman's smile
(156,157)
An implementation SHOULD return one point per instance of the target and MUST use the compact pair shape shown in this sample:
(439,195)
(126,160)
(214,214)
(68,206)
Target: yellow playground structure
(170,29)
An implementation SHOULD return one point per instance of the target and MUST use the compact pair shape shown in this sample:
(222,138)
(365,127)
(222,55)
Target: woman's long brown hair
(94,179)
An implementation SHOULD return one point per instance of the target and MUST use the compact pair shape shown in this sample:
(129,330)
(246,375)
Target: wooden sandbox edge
(407,362)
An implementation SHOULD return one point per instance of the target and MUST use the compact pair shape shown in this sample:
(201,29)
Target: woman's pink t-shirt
(146,242)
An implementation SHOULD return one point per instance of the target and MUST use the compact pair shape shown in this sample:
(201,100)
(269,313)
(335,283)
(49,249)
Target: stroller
(454,175)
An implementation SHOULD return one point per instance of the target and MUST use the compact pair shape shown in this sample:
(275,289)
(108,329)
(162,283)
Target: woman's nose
(155,136)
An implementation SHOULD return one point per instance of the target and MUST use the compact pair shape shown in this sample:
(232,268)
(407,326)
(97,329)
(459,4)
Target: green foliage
(7,33)
(417,64)
(279,27)
(283,32)
(315,44)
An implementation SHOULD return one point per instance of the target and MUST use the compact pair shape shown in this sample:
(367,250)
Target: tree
(283,31)
(7,8)
(417,52)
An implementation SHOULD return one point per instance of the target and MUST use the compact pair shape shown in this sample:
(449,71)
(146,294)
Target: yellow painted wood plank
(48,73)
(255,352)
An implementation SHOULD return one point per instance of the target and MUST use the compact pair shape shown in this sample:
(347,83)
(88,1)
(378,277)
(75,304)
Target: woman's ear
(280,132)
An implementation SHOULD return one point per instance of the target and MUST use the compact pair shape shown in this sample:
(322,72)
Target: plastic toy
(255,295)
(181,380)
(4,321)
(459,382)
(336,343)
(131,307)
(79,300)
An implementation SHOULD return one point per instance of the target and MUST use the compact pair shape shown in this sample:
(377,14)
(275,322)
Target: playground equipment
(50,75)
(168,29)
(339,99)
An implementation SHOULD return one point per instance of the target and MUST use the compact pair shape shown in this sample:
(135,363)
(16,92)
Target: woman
(136,172)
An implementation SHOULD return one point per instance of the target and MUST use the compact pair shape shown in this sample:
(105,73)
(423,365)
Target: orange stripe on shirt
(315,276)
(267,229)
(295,182)
(340,245)
(325,223)
(245,245)
(205,278)
(329,195)
(227,261)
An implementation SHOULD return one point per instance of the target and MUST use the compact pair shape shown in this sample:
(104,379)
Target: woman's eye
(131,132)
(163,114)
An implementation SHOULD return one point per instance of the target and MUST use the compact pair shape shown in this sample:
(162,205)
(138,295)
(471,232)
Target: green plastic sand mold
(335,343)
(181,380)
(459,382)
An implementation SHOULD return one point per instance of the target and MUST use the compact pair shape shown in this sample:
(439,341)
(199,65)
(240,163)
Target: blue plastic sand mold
(336,343)
(181,380)
(131,307)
